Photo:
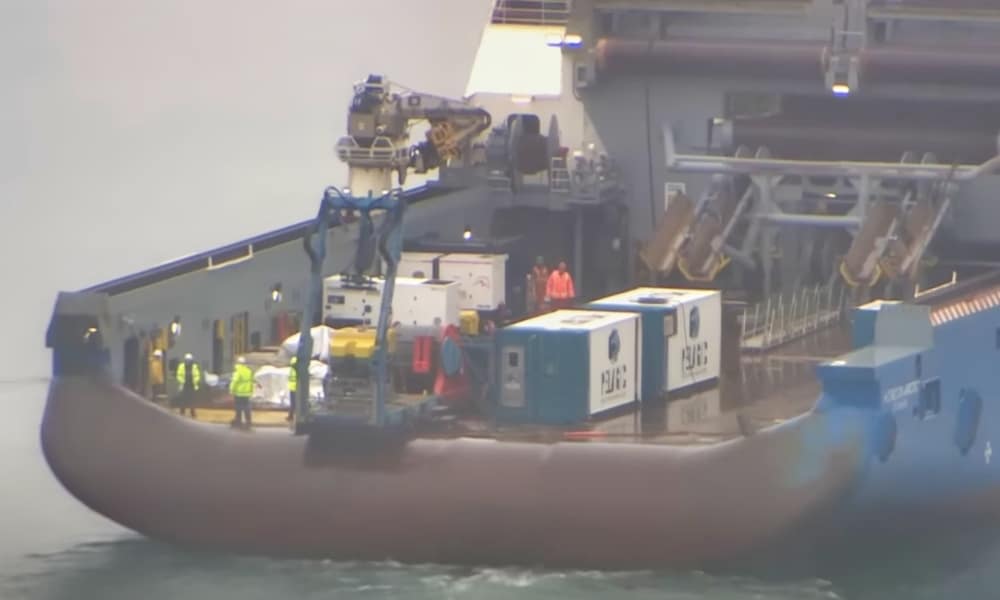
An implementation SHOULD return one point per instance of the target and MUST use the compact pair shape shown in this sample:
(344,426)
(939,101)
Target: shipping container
(426,302)
(682,335)
(482,277)
(567,366)
(416,302)
(349,304)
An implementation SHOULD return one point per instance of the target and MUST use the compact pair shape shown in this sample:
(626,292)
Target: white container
(694,351)
(682,334)
(425,302)
(415,301)
(482,278)
(567,366)
(341,301)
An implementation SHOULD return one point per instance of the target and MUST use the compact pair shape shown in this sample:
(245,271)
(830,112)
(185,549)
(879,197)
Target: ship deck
(762,390)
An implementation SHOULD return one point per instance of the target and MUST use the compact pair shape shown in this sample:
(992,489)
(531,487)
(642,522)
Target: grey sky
(133,132)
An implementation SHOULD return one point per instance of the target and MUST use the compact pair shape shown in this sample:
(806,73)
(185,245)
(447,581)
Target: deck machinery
(376,146)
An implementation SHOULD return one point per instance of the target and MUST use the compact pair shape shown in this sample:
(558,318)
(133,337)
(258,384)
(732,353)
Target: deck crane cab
(378,125)
(376,146)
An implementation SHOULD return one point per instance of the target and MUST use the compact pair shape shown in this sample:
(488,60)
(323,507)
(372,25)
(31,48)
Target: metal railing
(785,317)
(381,152)
(559,176)
(531,12)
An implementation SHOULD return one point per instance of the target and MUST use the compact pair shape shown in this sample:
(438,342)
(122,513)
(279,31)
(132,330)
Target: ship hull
(458,501)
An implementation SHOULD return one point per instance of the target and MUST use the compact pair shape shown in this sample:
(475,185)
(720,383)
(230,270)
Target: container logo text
(614,381)
(694,357)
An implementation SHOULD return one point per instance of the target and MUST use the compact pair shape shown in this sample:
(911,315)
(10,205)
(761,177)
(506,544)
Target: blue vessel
(925,374)
(430,443)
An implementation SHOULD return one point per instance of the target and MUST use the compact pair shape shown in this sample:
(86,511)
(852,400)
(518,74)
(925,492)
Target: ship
(782,341)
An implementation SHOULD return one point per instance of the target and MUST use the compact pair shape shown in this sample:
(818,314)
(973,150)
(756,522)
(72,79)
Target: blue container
(565,367)
(681,335)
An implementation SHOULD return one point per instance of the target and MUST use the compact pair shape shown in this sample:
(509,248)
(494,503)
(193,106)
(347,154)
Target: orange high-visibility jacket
(560,286)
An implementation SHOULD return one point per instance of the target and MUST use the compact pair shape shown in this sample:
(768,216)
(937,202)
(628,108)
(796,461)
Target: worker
(293,386)
(156,374)
(538,279)
(559,290)
(188,382)
(241,387)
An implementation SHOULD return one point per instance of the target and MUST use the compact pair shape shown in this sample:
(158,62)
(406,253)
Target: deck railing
(531,12)
(782,318)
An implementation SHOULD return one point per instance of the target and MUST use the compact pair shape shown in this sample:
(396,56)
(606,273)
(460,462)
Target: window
(929,403)
(512,359)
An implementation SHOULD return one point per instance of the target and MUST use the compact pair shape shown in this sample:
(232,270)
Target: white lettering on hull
(898,397)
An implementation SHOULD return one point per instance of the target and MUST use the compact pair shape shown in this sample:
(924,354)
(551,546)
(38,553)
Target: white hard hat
(241,360)
(157,352)
(188,356)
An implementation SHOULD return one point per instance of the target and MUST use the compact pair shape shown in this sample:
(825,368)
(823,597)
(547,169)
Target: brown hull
(586,505)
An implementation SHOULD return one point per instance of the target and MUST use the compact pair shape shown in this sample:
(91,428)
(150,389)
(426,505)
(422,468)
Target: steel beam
(811,220)
(773,166)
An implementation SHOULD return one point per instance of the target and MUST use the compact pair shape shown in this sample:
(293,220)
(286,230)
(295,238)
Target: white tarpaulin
(273,381)
(321,335)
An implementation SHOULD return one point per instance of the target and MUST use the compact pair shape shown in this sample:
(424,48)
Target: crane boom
(377,140)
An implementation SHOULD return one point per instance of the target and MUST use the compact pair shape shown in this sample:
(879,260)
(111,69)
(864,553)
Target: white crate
(482,277)
(694,351)
(415,301)
(690,350)
(425,302)
(343,302)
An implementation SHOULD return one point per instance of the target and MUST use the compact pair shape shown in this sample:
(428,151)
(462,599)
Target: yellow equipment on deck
(358,342)
(469,322)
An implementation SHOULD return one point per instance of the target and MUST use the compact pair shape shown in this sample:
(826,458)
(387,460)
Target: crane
(375,147)
(389,235)
(377,140)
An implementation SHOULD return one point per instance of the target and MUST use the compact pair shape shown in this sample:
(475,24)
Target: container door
(557,394)
(669,331)
(637,371)
(218,345)
(239,342)
(130,372)
(512,382)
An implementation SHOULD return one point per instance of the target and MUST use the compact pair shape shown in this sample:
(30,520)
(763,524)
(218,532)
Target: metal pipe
(813,220)
(771,166)
(976,11)
(698,56)
(967,65)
